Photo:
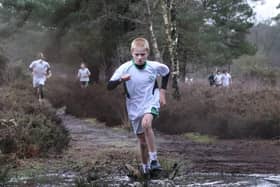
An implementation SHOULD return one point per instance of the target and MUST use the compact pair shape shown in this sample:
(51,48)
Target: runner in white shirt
(83,75)
(218,79)
(143,97)
(40,71)
(226,79)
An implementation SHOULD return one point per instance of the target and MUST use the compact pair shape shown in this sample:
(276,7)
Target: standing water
(190,180)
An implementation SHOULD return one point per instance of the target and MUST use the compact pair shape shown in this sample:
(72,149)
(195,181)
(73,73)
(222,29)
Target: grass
(91,120)
(198,138)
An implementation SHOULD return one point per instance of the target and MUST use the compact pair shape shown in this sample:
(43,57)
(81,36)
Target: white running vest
(140,88)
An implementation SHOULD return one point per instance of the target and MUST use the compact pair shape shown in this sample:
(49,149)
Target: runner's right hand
(125,77)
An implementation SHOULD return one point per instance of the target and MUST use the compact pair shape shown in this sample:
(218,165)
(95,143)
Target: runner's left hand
(162,97)
(49,75)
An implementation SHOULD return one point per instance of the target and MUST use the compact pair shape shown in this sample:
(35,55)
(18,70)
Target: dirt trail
(99,153)
(93,142)
(90,139)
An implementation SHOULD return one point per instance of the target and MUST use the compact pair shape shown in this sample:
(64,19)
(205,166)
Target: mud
(91,141)
(97,153)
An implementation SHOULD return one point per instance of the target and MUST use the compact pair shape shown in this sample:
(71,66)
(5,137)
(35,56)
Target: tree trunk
(152,33)
(169,18)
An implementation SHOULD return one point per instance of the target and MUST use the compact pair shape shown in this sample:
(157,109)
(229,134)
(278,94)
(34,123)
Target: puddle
(47,180)
(229,180)
(201,179)
(189,180)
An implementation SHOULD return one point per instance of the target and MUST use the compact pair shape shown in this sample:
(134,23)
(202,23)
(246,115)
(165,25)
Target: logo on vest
(152,78)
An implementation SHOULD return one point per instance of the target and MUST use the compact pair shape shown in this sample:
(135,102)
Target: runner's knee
(41,91)
(143,145)
(147,122)
(141,138)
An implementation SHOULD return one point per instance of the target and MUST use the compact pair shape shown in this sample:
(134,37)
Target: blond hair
(140,42)
(41,55)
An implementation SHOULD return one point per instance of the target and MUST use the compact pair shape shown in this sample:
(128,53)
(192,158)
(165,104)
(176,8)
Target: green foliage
(210,32)
(94,30)
(38,10)
(227,25)
(265,37)
(277,18)
(258,67)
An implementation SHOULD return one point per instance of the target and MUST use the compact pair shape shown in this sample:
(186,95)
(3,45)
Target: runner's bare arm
(49,73)
(30,68)
(78,74)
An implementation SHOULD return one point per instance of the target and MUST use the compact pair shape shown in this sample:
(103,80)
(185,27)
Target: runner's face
(140,55)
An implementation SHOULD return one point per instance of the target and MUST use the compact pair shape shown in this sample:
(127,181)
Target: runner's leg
(150,139)
(41,93)
(143,148)
(35,86)
(149,133)
(35,91)
(82,84)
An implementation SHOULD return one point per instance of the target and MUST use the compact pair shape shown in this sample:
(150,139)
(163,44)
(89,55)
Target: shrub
(3,64)
(15,71)
(239,112)
(256,67)
(94,101)
(27,128)
(244,111)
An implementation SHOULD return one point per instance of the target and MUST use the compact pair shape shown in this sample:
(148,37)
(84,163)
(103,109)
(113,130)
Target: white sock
(145,167)
(153,155)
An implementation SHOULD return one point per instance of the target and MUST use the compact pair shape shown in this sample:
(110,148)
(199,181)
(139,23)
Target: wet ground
(190,180)
(98,154)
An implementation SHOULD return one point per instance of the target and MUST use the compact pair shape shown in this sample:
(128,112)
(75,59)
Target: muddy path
(93,142)
(97,151)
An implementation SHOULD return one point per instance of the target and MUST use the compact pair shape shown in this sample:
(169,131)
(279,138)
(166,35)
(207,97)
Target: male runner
(143,97)
(41,71)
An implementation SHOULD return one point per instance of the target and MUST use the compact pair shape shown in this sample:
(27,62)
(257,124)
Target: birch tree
(169,17)
(152,33)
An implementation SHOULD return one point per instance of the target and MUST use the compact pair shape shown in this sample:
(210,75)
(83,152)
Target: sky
(266,9)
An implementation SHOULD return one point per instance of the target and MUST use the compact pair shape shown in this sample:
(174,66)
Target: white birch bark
(169,18)
(152,33)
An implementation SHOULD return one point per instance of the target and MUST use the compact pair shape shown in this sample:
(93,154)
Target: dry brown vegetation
(27,128)
(94,101)
(240,112)
(244,111)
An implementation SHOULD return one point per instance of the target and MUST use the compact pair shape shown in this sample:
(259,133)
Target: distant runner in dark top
(211,79)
